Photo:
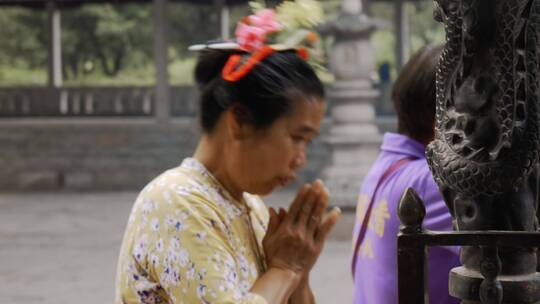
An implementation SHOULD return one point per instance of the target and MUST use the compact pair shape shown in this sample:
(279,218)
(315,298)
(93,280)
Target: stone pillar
(353,138)
(486,150)
(54,56)
(224,19)
(162,92)
(401,26)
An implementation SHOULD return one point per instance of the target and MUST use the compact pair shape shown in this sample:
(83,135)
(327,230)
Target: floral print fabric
(188,241)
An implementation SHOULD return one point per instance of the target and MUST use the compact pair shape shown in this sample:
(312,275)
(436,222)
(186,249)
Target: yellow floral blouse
(188,241)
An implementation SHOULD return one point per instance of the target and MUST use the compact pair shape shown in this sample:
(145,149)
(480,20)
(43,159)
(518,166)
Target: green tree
(423,29)
(108,43)
(23,56)
(106,34)
(22,38)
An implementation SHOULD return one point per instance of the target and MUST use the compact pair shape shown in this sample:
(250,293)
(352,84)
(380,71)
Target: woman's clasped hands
(295,239)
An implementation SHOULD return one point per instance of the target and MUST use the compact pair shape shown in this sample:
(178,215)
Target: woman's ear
(238,123)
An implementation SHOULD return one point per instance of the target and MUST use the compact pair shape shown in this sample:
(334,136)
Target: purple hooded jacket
(375,279)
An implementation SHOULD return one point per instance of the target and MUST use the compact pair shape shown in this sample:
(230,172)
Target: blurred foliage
(113,44)
(423,30)
(22,46)
(105,38)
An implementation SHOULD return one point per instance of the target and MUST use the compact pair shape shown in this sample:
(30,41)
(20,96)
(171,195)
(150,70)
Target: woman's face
(266,159)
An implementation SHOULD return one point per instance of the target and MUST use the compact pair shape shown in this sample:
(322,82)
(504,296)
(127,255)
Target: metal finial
(411,211)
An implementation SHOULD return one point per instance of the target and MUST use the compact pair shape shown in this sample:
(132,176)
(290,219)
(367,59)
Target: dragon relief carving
(487,119)
(486,149)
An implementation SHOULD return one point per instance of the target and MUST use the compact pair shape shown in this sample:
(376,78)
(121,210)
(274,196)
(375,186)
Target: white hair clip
(227,45)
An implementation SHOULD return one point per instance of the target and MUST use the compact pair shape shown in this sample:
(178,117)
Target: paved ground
(62,248)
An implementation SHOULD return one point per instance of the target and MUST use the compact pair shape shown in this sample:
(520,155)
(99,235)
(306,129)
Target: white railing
(125,101)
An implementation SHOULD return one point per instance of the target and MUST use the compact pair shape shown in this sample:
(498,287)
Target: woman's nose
(299,161)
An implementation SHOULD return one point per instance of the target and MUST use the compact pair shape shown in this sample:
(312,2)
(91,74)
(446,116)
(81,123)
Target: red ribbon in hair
(232,72)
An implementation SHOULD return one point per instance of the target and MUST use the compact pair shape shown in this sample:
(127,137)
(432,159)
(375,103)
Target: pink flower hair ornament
(252,33)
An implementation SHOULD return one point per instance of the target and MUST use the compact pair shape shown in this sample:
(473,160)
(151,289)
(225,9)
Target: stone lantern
(353,138)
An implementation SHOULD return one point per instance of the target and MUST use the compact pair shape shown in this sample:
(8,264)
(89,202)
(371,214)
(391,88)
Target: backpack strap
(363,228)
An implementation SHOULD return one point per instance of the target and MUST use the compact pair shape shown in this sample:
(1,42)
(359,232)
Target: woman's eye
(300,139)
(297,138)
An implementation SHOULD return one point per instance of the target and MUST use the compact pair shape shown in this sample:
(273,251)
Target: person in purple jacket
(402,164)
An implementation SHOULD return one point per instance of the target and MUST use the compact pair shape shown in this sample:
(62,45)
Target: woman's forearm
(276,285)
(302,294)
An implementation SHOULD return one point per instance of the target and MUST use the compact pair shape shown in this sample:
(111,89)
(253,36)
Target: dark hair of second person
(262,96)
(414,94)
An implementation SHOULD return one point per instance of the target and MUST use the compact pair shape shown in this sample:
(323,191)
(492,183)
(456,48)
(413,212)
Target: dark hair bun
(209,65)
(262,95)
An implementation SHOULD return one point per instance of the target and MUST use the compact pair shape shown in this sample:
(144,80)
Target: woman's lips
(284,181)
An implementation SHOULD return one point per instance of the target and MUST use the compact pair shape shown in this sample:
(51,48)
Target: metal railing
(413,242)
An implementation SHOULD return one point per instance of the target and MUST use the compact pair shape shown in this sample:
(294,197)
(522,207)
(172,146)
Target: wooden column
(54,56)
(162,96)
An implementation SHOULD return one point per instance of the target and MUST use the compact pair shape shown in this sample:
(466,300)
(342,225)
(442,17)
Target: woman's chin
(264,191)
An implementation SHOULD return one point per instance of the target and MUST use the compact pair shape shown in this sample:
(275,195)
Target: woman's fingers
(282,213)
(318,211)
(308,204)
(327,223)
(297,241)
(296,205)
(273,222)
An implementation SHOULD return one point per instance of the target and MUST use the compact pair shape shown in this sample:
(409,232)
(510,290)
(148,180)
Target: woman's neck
(212,153)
